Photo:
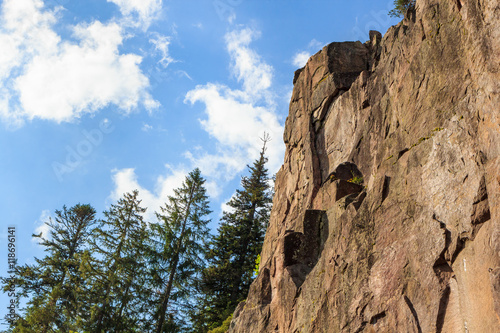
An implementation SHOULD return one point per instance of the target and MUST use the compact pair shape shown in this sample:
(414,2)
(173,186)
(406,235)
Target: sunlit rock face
(386,216)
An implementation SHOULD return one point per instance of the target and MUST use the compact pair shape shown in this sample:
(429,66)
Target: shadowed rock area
(386,216)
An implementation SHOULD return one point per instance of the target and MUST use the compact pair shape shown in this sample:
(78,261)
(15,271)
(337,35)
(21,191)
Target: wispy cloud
(246,65)
(236,118)
(315,45)
(139,13)
(146,127)
(181,73)
(161,44)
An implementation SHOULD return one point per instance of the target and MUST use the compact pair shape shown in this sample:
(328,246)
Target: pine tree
(177,250)
(55,282)
(116,293)
(401,7)
(234,250)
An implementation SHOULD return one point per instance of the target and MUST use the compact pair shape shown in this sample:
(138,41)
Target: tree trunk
(168,289)
(166,296)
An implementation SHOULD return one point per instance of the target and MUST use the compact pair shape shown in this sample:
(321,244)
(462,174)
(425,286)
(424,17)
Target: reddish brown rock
(386,216)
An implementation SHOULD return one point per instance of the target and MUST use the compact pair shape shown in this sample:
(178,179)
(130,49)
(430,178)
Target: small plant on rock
(257,265)
(356,180)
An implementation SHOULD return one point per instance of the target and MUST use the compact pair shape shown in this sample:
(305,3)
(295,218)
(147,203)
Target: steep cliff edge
(386,216)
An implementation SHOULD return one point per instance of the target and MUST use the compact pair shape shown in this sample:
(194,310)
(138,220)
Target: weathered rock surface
(414,119)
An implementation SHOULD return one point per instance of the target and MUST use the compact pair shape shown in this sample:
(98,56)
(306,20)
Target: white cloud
(238,118)
(41,227)
(224,207)
(83,78)
(213,188)
(42,76)
(300,58)
(247,66)
(161,44)
(139,12)
(237,126)
(221,166)
(125,180)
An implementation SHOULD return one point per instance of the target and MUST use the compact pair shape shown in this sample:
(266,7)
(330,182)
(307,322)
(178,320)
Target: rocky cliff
(386,216)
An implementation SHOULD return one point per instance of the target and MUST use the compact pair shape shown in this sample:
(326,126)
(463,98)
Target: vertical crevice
(385,188)
(414,313)
(480,208)
(444,273)
(443,305)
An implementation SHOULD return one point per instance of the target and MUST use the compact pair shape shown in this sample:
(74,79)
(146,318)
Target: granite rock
(386,216)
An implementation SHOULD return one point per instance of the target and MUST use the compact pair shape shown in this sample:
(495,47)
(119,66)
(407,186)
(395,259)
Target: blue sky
(99,97)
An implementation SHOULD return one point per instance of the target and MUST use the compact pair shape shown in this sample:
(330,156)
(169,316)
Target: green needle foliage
(116,292)
(401,7)
(54,284)
(177,250)
(123,274)
(224,327)
(234,250)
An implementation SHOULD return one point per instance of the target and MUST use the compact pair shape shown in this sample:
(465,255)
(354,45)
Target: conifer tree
(234,250)
(401,7)
(116,293)
(54,283)
(177,249)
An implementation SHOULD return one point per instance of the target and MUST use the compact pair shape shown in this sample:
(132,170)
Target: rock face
(386,216)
